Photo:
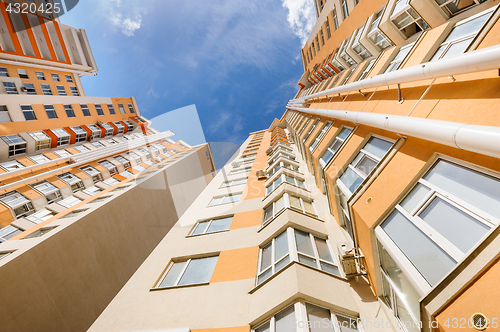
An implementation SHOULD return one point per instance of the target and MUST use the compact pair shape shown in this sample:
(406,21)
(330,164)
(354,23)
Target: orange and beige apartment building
(373,204)
(88,187)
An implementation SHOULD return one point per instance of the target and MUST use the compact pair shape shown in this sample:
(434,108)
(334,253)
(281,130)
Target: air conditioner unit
(24,89)
(235,164)
(261,175)
(269,151)
(100,123)
(348,259)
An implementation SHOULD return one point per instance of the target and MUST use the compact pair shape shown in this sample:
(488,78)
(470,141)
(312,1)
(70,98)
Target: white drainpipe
(470,62)
(480,139)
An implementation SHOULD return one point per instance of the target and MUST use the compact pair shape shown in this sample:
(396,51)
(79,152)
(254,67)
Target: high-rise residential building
(371,205)
(88,187)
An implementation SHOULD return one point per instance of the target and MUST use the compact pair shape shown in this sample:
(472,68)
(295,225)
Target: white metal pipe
(474,138)
(470,62)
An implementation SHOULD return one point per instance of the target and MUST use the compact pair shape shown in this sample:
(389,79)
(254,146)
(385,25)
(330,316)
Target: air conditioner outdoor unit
(235,164)
(348,259)
(261,175)
(100,123)
(24,89)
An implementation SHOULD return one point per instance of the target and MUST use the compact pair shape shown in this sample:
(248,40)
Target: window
(108,129)
(29,88)
(55,78)
(99,110)
(315,123)
(327,28)
(335,20)
(62,136)
(358,170)
(345,10)
(85,110)
(287,201)
(40,159)
(81,148)
(4,114)
(28,112)
(51,192)
(62,153)
(98,144)
(242,170)
(189,272)
(8,232)
(407,19)
(69,78)
(125,162)
(367,69)
(96,131)
(12,165)
(100,199)
(74,91)
(130,126)
(457,203)
(10,88)
(92,191)
(16,144)
(39,233)
(320,136)
(136,157)
(111,109)
(69,202)
(335,147)
(461,36)
(111,181)
(400,57)
(18,203)
(22,73)
(42,140)
(279,155)
(40,216)
(4,72)
(285,178)
(60,90)
(121,128)
(94,173)
(131,108)
(234,183)
(69,111)
(46,89)
(75,182)
(282,164)
(212,226)
(145,152)
(81,135)
(40,75)
(121,108)
(299,246)
(51,112)
(376,35)
(109,166)
(228,198)
(344,55)
(322,37)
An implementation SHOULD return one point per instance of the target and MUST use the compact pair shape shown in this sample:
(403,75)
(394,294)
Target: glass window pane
(268,212)
(266,257)
(173,274)
(289,179)
(317,318)
(199,271)
(300,183)
(377,147)
(264,276)
(201,228)
(327,156)
(366,165)
(216,201)
(458,227)
(330,268)
(282,263)
(277,182)
(415,197)
(429,259)
(467,28)
(281,244)
(347,324)
(324,252)
(280,204)
(264,328)
(295,202)
(218,225)
(351,180)
(308,261)
(458,48)
(405,317)
(400,281)
(478,189)
(304,243)
(285,320)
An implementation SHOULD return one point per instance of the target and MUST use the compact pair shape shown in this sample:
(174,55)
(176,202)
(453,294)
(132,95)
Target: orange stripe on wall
(12,30)
(47,39)
(31,36)
(61,41)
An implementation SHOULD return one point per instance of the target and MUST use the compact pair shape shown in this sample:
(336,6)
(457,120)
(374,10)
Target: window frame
(182,272)
(61,138)
(223,197)
(210,221)
(16,147)
(286,205)
(41,144)
(332,142)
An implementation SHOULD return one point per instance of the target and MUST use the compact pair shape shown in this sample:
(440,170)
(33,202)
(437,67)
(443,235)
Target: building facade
(372,204)
(87,187)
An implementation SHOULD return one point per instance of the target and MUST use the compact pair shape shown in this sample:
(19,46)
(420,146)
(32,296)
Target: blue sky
(236,60)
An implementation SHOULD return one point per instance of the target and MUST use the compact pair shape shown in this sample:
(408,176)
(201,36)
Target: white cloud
(123,15)
(301,17)
(127,25)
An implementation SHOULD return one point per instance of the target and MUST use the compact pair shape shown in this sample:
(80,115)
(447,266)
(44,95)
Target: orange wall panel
(236,264)
(247,219)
